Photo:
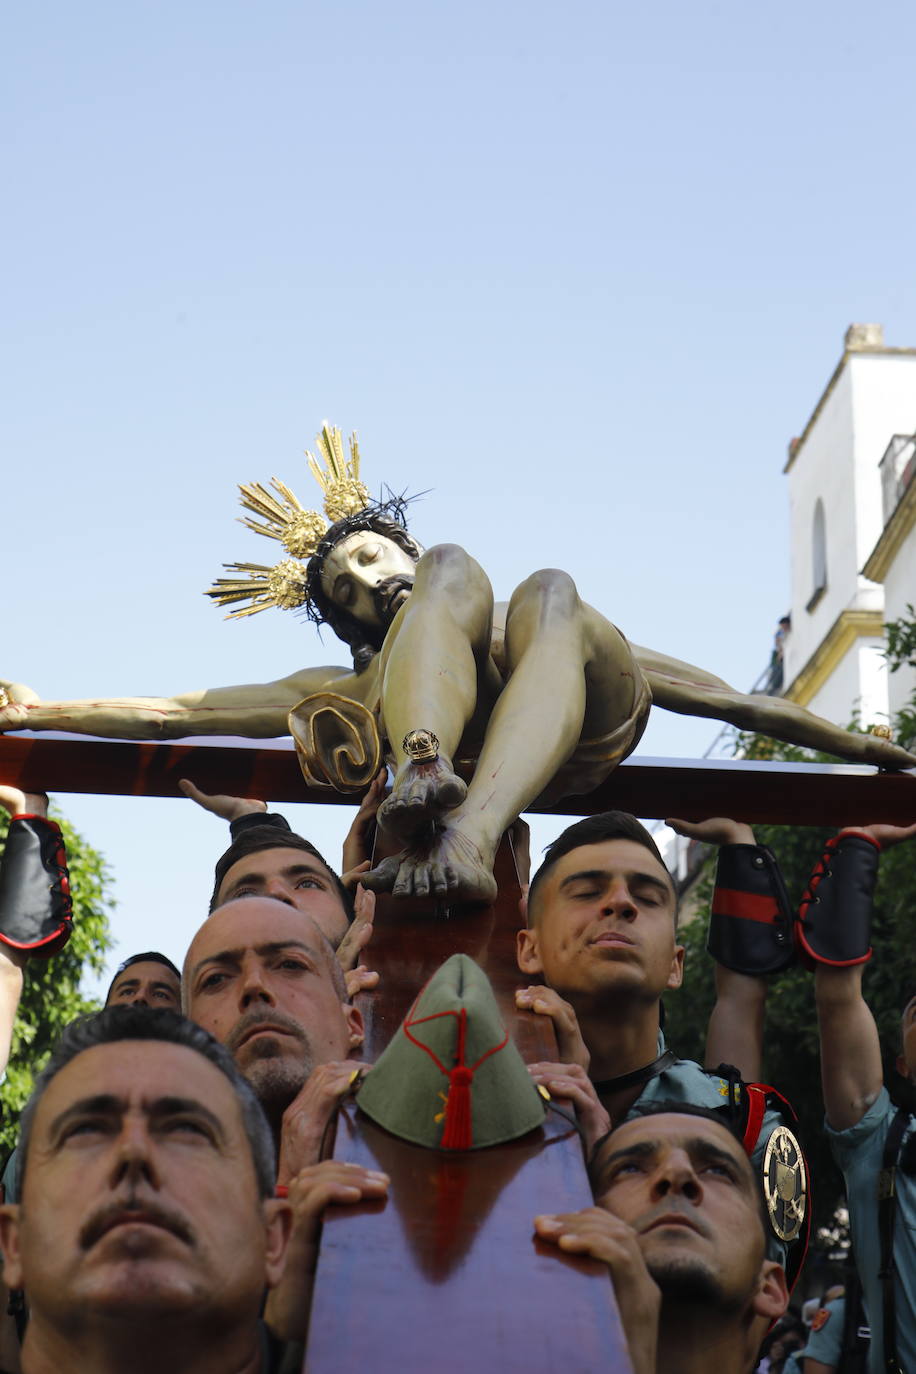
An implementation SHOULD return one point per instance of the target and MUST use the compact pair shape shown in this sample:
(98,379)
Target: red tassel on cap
(458,1133)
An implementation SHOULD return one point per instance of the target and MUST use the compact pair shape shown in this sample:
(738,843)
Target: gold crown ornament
(300,531)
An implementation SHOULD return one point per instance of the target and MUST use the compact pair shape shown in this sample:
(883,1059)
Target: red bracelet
(281,1190)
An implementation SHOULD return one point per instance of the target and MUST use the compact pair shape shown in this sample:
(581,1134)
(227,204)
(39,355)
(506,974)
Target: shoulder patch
(821,1319)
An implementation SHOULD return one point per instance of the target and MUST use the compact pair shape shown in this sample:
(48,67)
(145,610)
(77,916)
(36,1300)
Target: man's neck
(693,1339)
(143,1347)
(621,1037)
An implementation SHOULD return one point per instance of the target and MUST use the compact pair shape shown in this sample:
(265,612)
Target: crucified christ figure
(544,692)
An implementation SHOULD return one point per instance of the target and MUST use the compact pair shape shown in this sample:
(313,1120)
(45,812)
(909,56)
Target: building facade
(852,507)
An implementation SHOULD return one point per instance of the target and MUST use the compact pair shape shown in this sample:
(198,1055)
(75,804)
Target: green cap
(451,1078)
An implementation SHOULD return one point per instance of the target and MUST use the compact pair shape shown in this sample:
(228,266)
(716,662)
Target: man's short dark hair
(259,837)
(116,1024)
(386,519)
(150,956)
(607,825)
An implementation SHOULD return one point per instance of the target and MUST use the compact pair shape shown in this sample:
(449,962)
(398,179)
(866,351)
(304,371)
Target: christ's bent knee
(549,592)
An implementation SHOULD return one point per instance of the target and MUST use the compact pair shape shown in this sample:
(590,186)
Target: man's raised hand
(356,852)
(886,835)
(358,935)
(545,1002)
(226,807)
(571,1083)
(306,1119)
(313,1190)
(18,803)
(605,1237)
(714,830)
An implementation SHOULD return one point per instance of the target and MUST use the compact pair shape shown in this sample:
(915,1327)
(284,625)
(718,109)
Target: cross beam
(787,793)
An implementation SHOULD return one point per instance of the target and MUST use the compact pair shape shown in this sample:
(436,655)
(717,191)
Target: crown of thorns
(289,584)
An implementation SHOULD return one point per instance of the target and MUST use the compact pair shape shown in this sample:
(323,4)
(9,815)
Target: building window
(818,555)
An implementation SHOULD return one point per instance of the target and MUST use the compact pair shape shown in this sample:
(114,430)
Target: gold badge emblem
(785,1183)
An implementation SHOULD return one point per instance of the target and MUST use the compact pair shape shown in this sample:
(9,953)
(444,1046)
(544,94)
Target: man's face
(604,920)
(140,1197)
(686,1187)
(146,984)
(258,977)
(292,876)
(369,576)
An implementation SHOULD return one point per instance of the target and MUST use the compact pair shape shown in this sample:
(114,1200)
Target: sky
(577,273)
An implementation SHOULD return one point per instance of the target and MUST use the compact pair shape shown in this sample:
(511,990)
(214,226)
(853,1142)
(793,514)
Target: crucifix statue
(541,695)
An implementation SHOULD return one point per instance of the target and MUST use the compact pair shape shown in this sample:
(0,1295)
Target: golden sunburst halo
(281,516)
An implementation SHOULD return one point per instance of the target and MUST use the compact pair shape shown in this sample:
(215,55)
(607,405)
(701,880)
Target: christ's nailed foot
(421,795)
(450,868)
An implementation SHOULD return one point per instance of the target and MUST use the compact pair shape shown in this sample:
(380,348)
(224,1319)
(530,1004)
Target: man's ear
(278,1225)
(902,1066)
(526,952)
(676,974)
(772,1297)
(9,1245)
(355,1028)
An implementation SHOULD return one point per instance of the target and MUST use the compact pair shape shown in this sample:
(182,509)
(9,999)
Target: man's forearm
(11,965)
(735,1032)
(851,1070)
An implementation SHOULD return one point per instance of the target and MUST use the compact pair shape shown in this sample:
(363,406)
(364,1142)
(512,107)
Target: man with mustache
(681,1221)
(149,979)
(147,1229)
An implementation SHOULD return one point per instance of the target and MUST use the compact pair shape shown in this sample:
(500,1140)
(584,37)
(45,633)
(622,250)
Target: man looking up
(143,980)
(262,978)
(146,980)
(271,861)
(834,931)
(268,859)
(680,1220)
(147,1229)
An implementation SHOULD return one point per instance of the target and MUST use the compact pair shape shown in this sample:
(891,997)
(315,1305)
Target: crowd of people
(164,1203)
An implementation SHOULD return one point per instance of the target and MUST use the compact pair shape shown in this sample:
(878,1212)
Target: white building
(853,545)
(893,559)
(852,508)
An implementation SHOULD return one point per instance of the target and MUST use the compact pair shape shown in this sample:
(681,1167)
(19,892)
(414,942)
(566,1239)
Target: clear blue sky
(580,271)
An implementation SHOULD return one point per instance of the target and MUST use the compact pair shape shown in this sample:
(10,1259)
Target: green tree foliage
(51,996)
(901,651)
(791,1043)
